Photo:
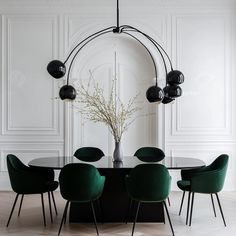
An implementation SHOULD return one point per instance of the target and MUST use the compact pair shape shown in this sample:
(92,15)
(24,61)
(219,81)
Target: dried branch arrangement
(111,111)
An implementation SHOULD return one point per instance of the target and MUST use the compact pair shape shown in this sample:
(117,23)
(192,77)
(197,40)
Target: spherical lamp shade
(167,100)
(172,91)
(175,77)
(154,94)
(56,69)
(67,92)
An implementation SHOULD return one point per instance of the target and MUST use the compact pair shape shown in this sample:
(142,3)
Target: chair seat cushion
(184,185)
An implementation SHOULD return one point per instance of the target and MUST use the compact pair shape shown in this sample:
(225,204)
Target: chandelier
(173,78)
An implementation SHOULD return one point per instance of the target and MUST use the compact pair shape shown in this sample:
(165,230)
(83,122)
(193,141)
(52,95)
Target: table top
(107,162)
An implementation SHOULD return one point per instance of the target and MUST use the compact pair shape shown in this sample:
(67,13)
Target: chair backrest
(15,169)
(80,182)
(220,165)
(89,154)
(149,154)
(210,179)
(149,182)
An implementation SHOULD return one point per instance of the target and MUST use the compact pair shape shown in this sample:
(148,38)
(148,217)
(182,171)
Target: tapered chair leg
(94,217)
(189,194)
(213,205)
(62,219)
(66,210)
(50,206)
(172,230)
(221,211)
(14,204)
(181,205)
(129,210)
(191,212)
(21,201)
(135,219)
(168,199)
(54,203)
(164,220)
(44,218)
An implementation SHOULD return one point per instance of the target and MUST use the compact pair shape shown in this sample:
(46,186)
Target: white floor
(204,223)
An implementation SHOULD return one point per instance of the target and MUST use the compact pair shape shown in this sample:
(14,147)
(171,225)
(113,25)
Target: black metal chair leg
(50,206)
(221,211)
(182,201)
(169,219)
(164,220)
(14,204)
(168,199)
(44,218)
(21,201)
(129,210)
(94,217)
(189,194)
(191,213)
(54,203)
(213,205)
(62,219)
(66,210)
(135,219)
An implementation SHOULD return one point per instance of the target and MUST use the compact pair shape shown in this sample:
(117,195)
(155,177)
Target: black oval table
(115,200)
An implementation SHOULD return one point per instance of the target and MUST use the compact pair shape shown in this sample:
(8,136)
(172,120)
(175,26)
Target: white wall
(198,35)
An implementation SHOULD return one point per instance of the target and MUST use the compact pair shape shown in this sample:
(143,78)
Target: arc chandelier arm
(152,40)
(90,36)
(162,57)
(154,64)
(94,37)
(57,68)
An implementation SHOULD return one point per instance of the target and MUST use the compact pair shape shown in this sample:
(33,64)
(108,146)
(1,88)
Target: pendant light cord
(117,14)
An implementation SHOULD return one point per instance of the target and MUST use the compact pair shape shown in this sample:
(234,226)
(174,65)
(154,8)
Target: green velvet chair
(207,180)
(27,180)
(80,182)
(149,183)
(149,154)
(89,154)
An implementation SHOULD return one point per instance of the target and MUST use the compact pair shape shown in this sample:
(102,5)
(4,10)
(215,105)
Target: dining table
(115,201)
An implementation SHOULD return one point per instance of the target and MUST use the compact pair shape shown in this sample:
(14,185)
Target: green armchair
(149,183)
(80,182)
(206,180)
(27,180)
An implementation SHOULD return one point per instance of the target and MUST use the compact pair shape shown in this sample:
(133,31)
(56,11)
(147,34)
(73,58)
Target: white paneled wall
(198,35)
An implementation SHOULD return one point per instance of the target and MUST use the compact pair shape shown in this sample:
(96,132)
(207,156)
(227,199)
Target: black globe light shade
(167,100)
(175,77)
(172,91)
(67,92)
(154,94)
(56,69)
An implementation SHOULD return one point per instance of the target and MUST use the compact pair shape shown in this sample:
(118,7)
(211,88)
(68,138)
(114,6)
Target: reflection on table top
(107,162)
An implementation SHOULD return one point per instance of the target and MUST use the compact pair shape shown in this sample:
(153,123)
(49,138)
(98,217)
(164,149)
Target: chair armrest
(186,174)
(26,182)
(46,173)
(211,181)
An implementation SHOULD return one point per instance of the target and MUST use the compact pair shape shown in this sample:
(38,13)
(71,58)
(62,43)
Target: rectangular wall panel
(202,49)
(29,100)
